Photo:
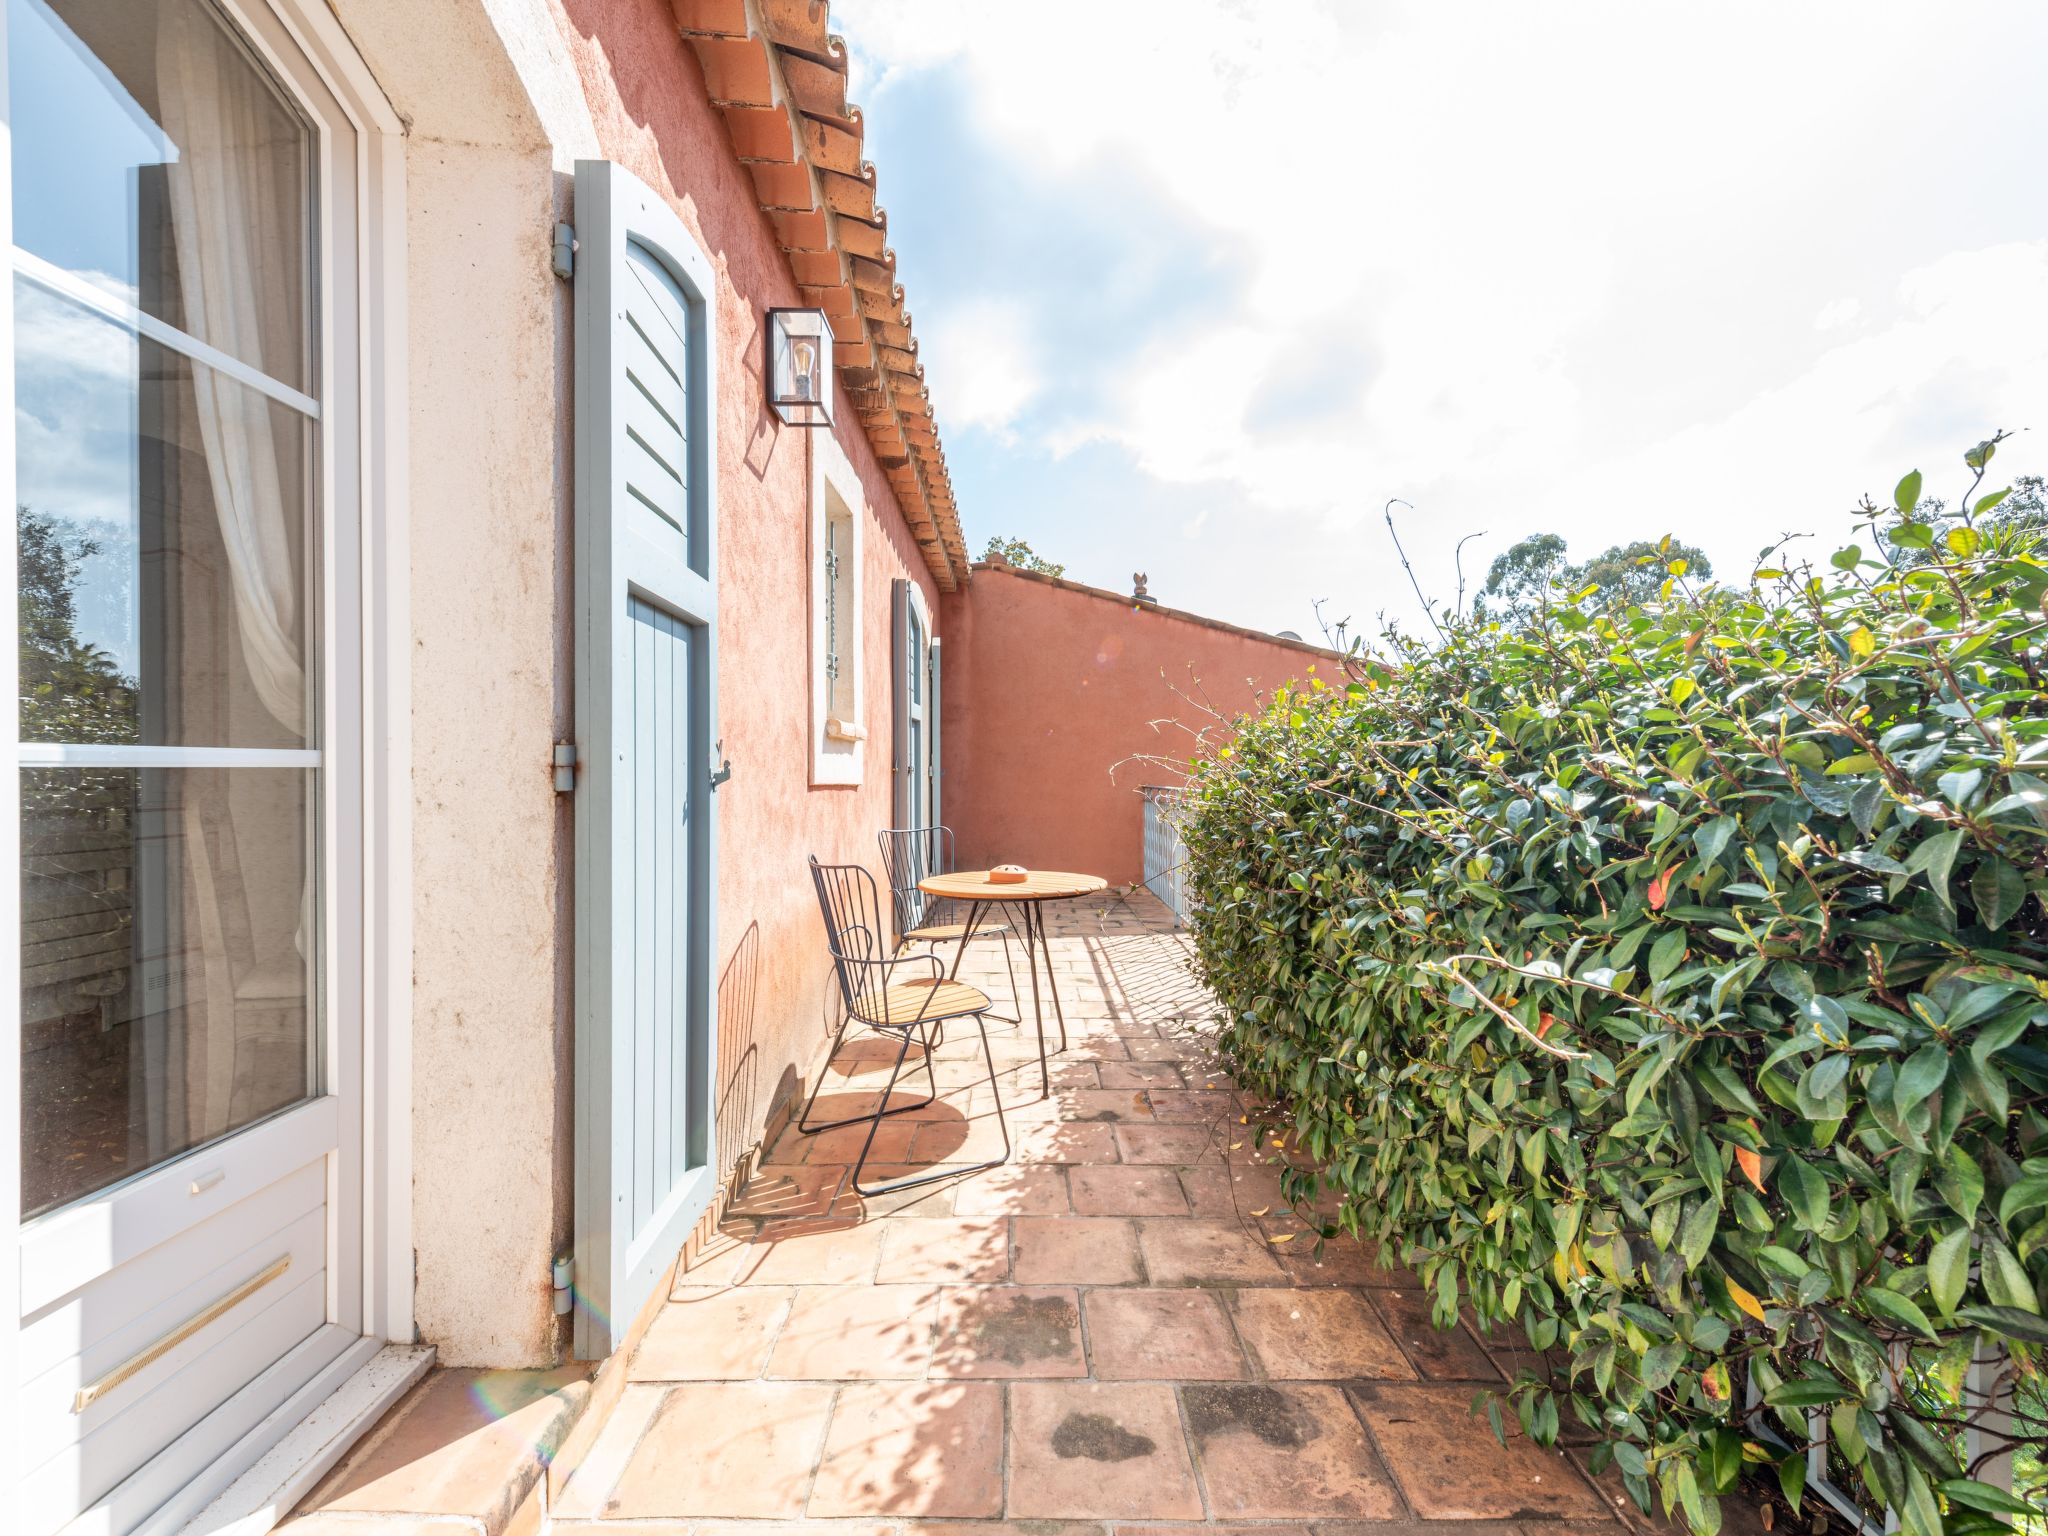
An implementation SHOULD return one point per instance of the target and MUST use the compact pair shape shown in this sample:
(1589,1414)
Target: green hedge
(1670,982)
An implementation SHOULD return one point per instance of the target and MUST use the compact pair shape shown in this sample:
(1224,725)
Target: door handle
(135,1364)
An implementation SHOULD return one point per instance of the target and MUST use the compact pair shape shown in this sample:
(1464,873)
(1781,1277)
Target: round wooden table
(1028,896)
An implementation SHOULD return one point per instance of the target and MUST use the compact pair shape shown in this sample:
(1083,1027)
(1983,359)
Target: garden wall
(1060,701)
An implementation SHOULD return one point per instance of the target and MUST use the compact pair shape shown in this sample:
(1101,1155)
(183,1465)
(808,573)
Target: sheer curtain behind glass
(168,901)
(224,185)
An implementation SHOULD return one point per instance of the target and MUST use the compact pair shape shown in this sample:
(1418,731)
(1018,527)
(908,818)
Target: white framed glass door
(181,190)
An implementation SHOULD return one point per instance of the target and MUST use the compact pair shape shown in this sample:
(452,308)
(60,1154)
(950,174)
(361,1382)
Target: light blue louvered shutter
(646,720)
(901,759)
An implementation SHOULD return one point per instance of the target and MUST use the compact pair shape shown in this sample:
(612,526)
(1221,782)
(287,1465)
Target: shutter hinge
(565,767)
(565,251)
(724,770)
(564,1276)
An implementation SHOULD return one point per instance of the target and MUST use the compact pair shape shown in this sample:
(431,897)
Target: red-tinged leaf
(1714,1381)
(1660,887)
(1543,1024)
(1751,1165)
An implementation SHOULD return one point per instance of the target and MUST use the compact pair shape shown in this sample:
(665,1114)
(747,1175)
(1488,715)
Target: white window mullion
(36,754)
(91,296)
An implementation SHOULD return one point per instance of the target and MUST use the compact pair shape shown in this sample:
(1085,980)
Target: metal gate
(1165,855)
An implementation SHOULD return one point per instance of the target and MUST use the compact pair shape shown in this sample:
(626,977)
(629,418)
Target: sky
(1200,284)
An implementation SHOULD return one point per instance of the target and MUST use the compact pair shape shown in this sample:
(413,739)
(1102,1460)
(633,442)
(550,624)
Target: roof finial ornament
(1138,593)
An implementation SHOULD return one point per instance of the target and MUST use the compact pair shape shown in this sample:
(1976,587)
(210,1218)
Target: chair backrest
(909,854)
(853,928)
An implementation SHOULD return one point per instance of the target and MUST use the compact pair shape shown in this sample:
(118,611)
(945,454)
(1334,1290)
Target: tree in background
(1528,575)
(2023,510)
(1020,554)
(70,691)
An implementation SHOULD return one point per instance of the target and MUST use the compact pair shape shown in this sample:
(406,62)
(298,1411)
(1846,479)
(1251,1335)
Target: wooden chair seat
(950,933)
(914,1002)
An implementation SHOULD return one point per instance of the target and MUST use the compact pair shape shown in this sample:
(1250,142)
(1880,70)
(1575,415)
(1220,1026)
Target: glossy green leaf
(1906,494)
(1898,1309)
(1948,1270)
(1996,890)
(2026,1194)
(2005,1279)
(2013,1322)
(1935,858)
(1805,1190)
(1975,1495)
(1805,1392)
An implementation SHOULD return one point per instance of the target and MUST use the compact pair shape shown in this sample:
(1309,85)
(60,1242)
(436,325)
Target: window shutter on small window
(933,816)
(899,699)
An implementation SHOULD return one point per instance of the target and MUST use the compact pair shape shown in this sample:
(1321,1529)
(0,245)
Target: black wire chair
(910,854)
(909,1009)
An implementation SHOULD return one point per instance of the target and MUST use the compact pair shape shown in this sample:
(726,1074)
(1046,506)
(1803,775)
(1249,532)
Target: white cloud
(75,387)
(979,360)
(54,336)
(1966,344)
(1837,313)
(1584,268)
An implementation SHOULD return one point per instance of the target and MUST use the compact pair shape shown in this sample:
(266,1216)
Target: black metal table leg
(1037,1006)
(1051,981)
(974,911)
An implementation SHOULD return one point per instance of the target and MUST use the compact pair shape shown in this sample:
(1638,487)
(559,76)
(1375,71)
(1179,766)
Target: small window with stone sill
(838,728)
(841,718)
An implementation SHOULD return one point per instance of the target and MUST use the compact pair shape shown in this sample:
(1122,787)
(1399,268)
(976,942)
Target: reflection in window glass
(162,511)
(166,921)
(155,158)
(163,515)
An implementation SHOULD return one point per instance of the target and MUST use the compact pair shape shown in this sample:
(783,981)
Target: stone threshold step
(466,1451)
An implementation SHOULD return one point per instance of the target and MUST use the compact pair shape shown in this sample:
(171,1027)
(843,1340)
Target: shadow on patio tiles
(1123,1324)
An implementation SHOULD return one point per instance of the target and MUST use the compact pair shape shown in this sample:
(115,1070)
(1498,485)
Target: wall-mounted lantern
(800,366)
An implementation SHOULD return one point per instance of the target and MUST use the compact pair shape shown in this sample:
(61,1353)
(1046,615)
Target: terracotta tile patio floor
(1100,1333)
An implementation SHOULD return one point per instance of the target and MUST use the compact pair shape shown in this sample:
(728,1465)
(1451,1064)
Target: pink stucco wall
(653,116)
(1045,689)
(1061,701)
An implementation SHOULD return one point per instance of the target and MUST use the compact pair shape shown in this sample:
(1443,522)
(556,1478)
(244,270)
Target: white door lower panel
(212,1453)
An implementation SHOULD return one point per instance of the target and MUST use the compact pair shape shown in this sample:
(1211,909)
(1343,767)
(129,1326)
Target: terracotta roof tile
(712,17)
(736,71)
(778,75)
(816,268)
(852,195)
(782,186)
(858,238)
(837,302)
(817,89)
(803,230)
(761,133)
(802,26)
(832,146)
